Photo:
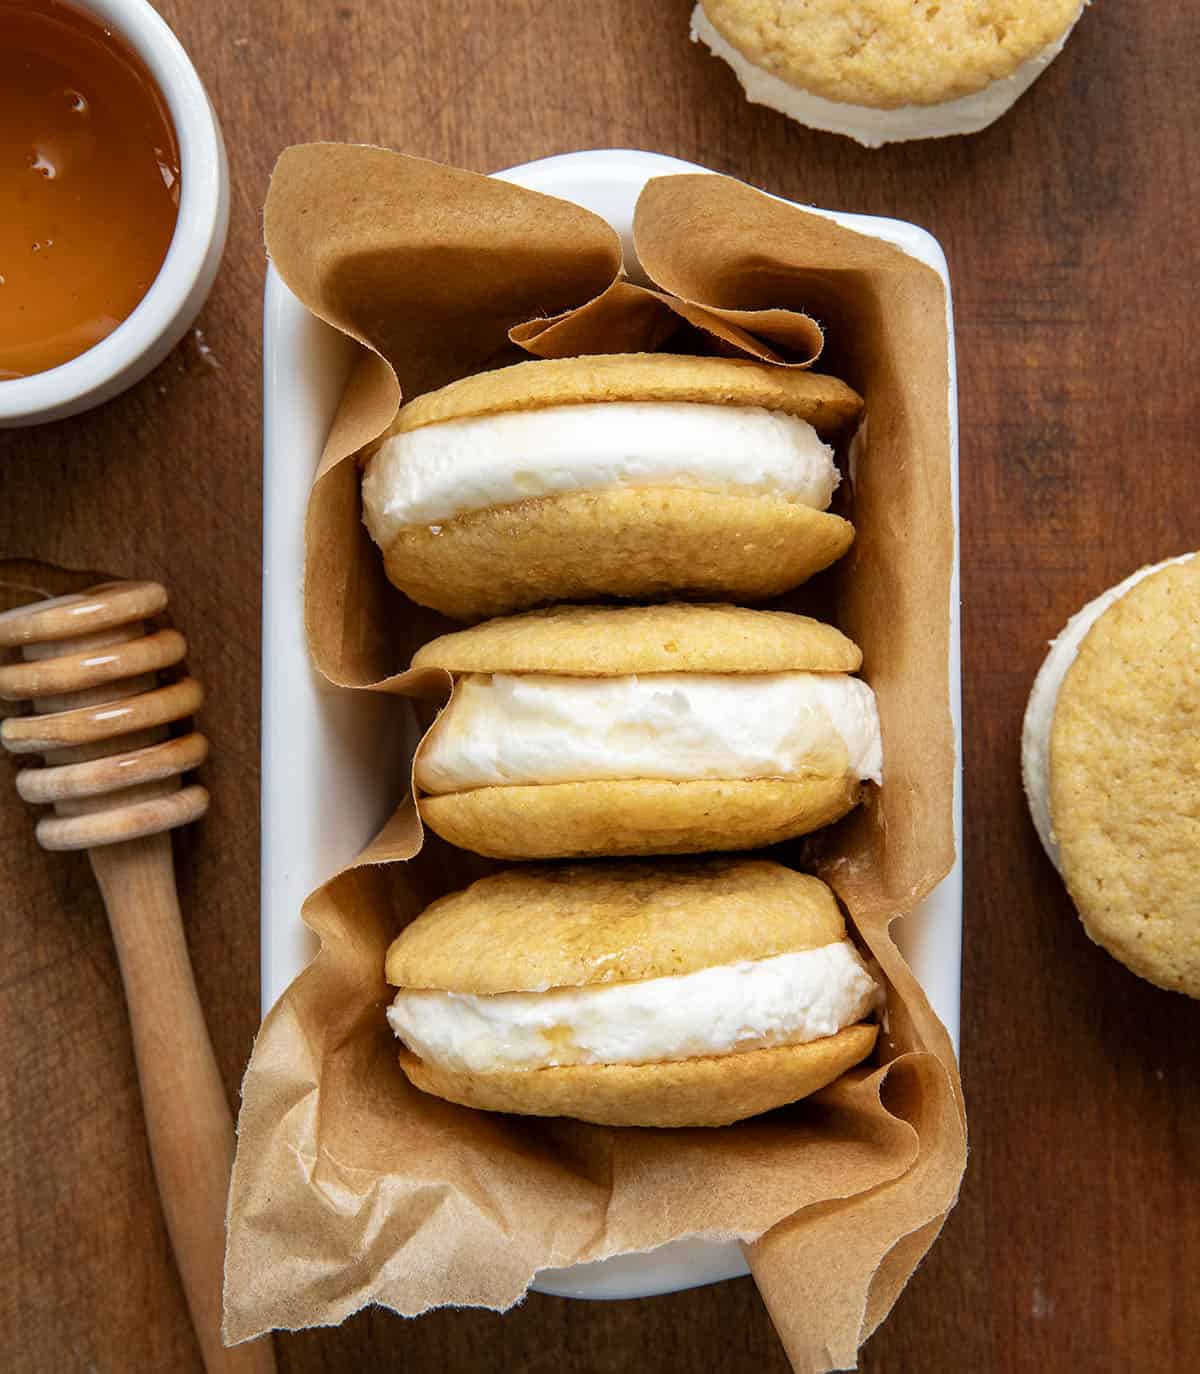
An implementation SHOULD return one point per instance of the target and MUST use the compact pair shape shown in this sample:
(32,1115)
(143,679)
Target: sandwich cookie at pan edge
(1125,777)
(871,125)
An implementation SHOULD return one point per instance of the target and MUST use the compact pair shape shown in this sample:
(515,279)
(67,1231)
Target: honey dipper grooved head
(100,715)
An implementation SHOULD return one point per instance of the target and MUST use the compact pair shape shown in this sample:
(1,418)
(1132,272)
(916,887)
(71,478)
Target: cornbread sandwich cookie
(580,731)
(883,71)
(640,475)
(1110,754)
(686,993)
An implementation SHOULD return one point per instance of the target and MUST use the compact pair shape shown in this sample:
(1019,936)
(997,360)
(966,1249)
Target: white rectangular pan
(333,762)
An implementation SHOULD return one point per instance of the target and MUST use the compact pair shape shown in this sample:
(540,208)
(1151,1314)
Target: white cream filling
(444,470)
(507,729)
(788,999)
(870,126)
(1043,700)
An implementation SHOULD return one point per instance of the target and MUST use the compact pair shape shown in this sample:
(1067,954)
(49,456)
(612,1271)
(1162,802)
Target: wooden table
(1070,229)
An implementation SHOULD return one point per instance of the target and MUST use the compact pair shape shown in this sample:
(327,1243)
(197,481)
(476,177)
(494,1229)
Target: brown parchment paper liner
(349,1186)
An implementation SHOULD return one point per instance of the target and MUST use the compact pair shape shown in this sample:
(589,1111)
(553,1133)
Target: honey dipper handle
(187,1115)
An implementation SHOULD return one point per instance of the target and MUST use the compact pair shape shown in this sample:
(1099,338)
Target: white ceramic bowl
(334,763)
(164,313)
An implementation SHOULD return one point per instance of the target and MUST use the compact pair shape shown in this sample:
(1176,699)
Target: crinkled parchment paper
(350,1187)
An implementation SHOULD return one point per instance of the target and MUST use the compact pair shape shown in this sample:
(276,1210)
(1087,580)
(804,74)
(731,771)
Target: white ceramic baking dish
(332,761)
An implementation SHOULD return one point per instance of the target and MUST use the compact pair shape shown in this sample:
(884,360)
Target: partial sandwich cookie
(883,71)
(1111,759)
(639,476)
(674,994)
(675,729)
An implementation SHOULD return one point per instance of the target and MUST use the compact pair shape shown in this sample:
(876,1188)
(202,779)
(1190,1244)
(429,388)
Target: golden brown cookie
(716,1091)
(635,543)
(524,929)
(609,641)
(576,820)
(1125,778)
(824,402)
(889,53)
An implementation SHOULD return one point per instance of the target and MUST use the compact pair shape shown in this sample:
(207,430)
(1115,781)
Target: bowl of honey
(114,201)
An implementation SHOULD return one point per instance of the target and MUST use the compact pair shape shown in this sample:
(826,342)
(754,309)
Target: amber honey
(89,183)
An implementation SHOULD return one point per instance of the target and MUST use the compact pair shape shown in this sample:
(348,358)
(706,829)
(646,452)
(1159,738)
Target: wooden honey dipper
(112,775)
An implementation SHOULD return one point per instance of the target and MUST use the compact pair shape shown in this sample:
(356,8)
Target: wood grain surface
(1070,229)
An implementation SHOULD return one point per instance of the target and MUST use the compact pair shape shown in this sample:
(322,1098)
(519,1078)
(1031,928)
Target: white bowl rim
(201,160)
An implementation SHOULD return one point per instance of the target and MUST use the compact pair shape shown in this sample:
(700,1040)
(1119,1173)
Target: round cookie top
(823,401)
(1125,778)
(530,929)
(888,53)
(612,641)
